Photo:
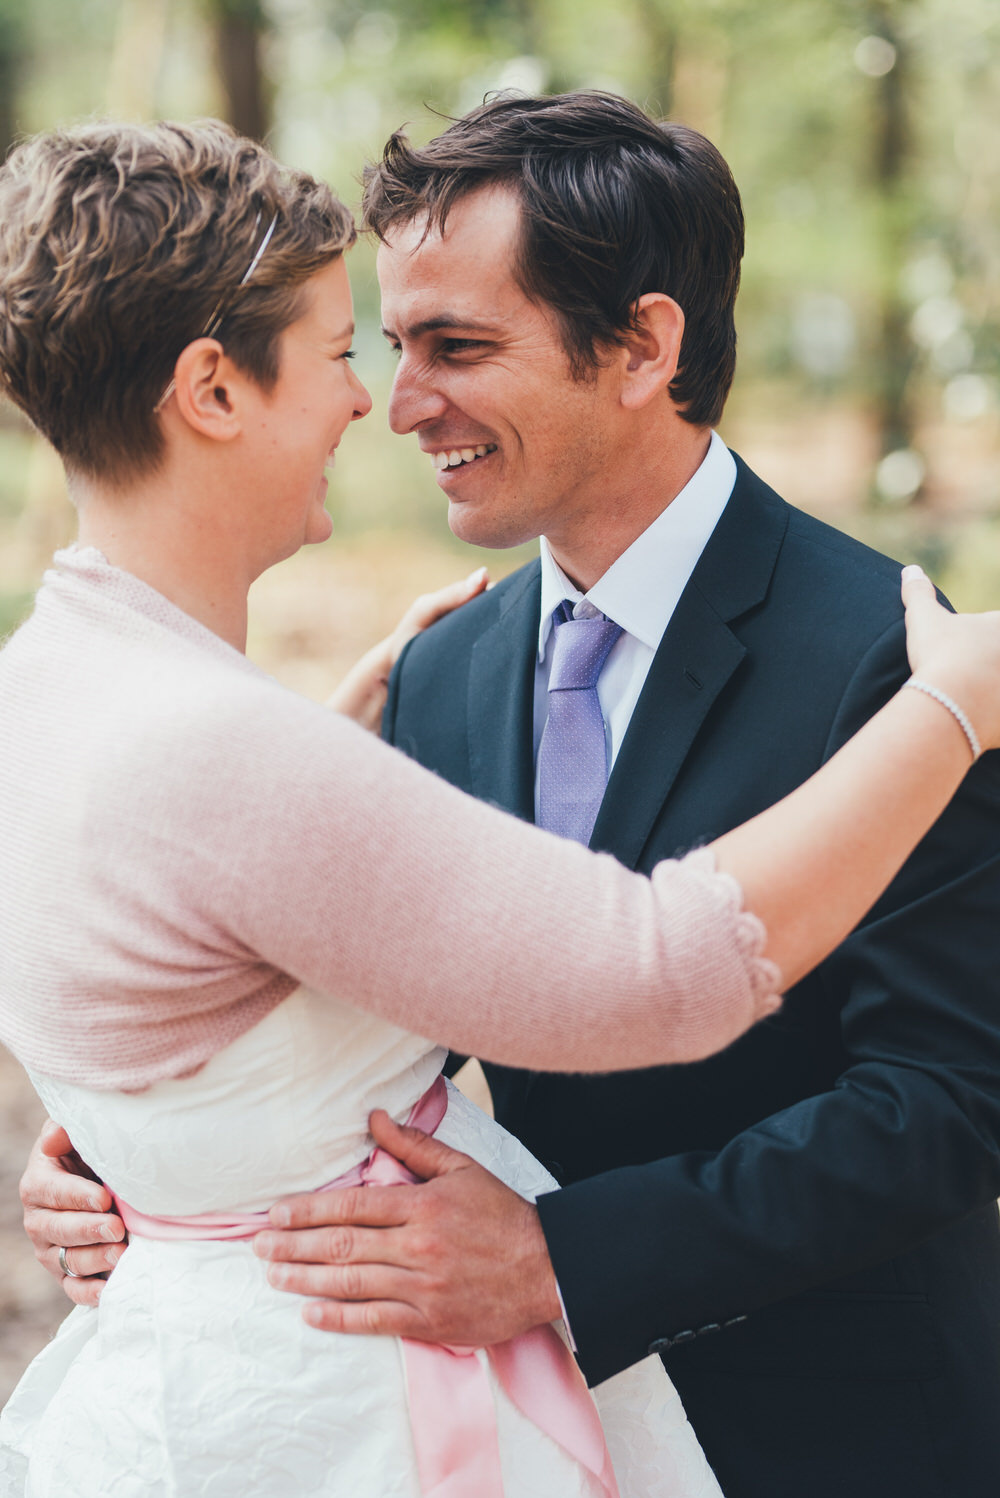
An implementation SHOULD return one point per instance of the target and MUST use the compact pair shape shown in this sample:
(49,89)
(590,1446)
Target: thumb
(917,588)
(54,1141)
(924,615)
(426,1156)
(430,607)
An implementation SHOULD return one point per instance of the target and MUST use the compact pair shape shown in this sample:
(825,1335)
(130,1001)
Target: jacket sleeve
(905,1143)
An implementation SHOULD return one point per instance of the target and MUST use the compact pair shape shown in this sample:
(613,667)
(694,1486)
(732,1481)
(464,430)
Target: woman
(227,916)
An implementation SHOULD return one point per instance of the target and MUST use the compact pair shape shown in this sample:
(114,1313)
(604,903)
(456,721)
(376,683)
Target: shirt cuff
(565,1319)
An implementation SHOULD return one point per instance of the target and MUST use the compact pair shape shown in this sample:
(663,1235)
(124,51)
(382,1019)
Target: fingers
(362,693)
(93,1243)
(66,1210)
(430,607)
(372,1318)
(73,1229)
(53,1140)
(48,1183)
(916,584)
(927,622)
(919,597)
(83,1292)
(421,1153)
(354,1282)
(84,1262)
(51,1186)
(325,1245)
(370,1206)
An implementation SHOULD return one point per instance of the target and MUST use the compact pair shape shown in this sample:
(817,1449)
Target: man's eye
(460,345)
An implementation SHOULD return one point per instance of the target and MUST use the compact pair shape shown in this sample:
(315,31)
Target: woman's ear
(208,390)
(652,349)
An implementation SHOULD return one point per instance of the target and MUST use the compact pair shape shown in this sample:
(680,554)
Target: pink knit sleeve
(335,859)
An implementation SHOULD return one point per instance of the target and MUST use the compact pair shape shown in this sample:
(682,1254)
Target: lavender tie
(572,755)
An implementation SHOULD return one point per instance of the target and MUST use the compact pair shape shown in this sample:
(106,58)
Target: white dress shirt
(639,591)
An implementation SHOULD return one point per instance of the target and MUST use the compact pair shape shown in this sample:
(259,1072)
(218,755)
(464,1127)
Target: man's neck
(585,552)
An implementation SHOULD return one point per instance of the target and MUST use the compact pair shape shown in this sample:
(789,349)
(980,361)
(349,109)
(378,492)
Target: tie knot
(581,648)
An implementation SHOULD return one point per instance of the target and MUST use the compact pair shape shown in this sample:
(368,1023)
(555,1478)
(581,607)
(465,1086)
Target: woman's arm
(361,875)
(812,865)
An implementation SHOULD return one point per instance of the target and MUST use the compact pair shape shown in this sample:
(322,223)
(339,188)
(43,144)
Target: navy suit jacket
(804,1225)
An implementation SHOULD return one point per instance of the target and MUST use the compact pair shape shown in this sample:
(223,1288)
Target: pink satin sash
(452,1415)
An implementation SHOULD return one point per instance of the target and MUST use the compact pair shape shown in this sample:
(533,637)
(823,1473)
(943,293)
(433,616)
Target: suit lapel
(697,656)
(501,700)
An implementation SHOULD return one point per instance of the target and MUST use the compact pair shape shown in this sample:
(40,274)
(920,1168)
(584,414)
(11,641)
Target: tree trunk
(890,161)
(239,29)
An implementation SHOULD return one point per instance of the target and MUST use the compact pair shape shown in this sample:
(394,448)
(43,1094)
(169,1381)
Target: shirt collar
(641,589)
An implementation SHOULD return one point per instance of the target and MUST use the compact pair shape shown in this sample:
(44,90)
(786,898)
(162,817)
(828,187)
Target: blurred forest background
(865,138)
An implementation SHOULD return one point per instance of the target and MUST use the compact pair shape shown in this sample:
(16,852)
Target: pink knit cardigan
(184,842)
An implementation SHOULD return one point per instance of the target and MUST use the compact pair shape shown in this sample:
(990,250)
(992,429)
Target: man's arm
(905,1143)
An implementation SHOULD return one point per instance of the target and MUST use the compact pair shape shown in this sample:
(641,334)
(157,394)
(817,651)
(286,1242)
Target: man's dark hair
(613,205)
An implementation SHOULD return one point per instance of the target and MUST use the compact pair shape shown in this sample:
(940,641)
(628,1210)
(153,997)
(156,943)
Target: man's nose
(414,398)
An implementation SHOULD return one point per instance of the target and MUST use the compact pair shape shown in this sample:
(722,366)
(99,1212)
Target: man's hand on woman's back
(64,1207)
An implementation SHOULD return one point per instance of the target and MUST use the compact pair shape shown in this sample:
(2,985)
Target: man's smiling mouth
(457,456)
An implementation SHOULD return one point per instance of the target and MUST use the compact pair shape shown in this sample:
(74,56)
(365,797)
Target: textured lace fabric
(196,1379)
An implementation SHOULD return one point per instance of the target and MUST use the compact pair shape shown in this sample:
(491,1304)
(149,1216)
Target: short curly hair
(117,244)
(613,205)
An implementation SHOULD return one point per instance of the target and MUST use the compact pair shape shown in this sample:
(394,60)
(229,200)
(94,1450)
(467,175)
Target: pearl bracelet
(960,717)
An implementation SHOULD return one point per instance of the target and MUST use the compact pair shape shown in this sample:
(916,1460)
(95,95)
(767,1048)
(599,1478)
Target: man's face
(483,376)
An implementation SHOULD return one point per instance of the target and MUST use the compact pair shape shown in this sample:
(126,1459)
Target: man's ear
(652,349)
(207,390)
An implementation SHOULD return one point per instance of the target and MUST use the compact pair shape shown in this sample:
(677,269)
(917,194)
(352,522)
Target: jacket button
(683,1337)
(734,1321)
(662,1344)
(713,1326)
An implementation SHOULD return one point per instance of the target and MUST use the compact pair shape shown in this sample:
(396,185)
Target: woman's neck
(184,551)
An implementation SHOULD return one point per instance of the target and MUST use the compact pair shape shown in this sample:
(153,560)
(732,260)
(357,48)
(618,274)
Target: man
(804,1226)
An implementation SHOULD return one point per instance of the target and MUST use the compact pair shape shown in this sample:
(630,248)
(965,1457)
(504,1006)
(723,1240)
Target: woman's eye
(349,353)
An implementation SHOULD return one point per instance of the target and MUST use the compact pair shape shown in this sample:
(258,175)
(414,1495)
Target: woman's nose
(362,398)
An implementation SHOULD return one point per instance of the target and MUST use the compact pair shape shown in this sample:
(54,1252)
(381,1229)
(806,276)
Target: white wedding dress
(195,1378)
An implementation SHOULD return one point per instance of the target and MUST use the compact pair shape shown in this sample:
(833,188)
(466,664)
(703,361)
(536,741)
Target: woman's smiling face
(299,422)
